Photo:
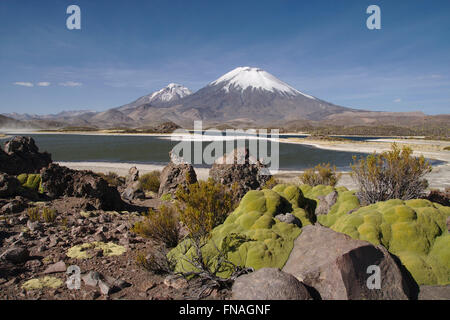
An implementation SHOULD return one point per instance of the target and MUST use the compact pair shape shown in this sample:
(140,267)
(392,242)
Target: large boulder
(240,171)
(9,186)
(269,284)
(337,266)
(133,186)
(21,155)
(175,174)
(58,181)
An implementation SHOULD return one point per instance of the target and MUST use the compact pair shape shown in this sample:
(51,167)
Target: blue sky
(127,49)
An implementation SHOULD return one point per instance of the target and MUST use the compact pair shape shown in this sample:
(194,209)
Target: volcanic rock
(269,284)
(58,181)
(240,170)
(339,267)
(21,155)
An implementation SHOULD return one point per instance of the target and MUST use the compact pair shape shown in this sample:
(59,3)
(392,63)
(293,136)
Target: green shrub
(33,214)
(272,182)
(48,215)
(346,202)
(322,174)
(31,181)
(150,181)
(414,230)
(393,174)
(203,205)
(160,226)
(250,236)
(112,178)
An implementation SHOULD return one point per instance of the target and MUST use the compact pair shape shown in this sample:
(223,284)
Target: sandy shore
(439,178)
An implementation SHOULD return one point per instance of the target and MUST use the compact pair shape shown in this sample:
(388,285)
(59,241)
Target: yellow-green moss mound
(251,235)
(41,283)
(31,181)
(346,201)
(88,250)
(414,230)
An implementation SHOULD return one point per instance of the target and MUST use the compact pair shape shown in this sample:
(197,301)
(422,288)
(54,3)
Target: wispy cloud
(24,84)
(43,84)
(398,100)
(70,84)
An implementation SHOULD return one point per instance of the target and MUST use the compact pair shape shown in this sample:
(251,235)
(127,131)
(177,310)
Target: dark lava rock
(16,255)
(9,186)
(58,181)
(239,169)
(21,155)
(175,174)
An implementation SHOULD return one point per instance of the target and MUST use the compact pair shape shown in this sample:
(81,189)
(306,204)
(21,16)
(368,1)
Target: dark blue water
(155,150)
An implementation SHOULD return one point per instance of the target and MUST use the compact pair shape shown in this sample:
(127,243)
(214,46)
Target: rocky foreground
(59,225)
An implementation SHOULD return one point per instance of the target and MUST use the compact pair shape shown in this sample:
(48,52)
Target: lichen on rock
(88,250)
(41,283)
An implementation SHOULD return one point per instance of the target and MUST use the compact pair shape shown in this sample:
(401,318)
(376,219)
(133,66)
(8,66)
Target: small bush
(272,182)
(33,214)
(155,262)
(167,197)
(203,205)
(322,174)
(393,174)
(150,181)
(161,226)
(112,178)
(48,215)
(31,181)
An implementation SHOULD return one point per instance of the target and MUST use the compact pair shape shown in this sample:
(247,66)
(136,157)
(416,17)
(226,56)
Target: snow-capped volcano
(173,92)
(170,93)
(254,78)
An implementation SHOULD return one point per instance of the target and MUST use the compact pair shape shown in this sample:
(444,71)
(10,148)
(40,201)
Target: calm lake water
(155,150)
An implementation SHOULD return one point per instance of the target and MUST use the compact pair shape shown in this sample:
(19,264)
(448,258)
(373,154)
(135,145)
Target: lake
(155,150)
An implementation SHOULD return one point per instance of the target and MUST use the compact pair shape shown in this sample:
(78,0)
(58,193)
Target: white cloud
(24,84)
(398,100)
(43,84)
(71,84)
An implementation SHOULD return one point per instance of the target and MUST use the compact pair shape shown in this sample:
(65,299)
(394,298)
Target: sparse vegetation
(321,174)
(33,214)
(112,178)
(160,226)
(272,182)
(155,262)
(393,174)
(48,215)
(203,205)
(150,181)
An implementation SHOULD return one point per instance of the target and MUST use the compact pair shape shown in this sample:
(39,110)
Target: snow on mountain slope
(255,78)
(170,93)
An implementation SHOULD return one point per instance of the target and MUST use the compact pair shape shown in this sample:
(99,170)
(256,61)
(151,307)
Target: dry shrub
(112,178)
(322,174)
(393,174)
(48,215)
(33,214)
(272,182)
(156,262)
(160,226)
(150,181)
(203,205)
